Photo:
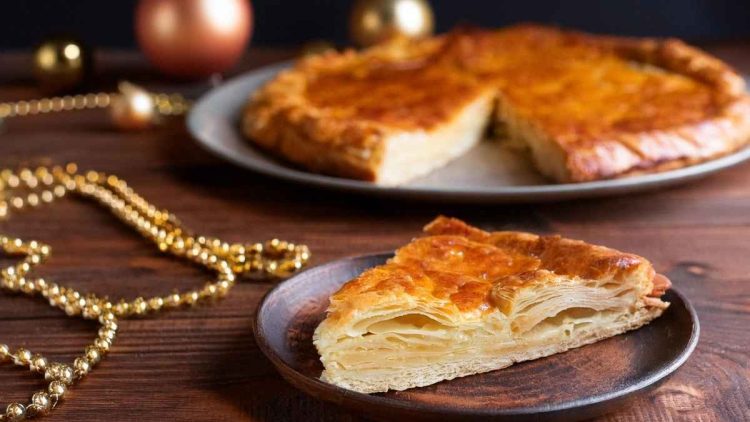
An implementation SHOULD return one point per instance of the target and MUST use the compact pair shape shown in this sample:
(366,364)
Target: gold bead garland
(126,97)
(32,188)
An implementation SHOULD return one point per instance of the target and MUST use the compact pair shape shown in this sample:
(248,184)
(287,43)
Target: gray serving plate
(578,384)
(486,174)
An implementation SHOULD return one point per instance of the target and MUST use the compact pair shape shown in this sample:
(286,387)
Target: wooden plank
(203,363)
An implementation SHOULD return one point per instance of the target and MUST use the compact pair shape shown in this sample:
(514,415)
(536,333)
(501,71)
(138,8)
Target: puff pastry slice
(461,301)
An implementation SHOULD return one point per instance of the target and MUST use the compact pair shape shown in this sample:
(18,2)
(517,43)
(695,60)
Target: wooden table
(203,364)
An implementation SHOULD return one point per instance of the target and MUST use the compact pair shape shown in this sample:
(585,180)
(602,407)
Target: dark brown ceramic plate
(578,384)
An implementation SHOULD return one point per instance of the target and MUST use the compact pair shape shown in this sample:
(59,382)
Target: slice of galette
(461,301)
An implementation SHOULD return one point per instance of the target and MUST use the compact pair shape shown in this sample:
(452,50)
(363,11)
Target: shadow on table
(250,384)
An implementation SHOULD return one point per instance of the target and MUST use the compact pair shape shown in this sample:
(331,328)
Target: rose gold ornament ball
(193,38)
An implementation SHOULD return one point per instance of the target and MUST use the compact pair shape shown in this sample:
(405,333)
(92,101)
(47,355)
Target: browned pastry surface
(599,106)
(461,263)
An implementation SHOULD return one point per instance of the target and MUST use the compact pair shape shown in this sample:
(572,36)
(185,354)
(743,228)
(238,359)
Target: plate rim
(319,386)
(502,193)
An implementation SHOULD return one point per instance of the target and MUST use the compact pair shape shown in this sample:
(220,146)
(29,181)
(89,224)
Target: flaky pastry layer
(460,301)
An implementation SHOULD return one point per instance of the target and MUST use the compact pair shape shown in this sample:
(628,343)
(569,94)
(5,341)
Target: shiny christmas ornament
(193,38)
(373,21)
(317,47)
(133,109)
(61,64)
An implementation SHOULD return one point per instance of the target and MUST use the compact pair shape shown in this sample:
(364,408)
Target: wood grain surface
(203,364)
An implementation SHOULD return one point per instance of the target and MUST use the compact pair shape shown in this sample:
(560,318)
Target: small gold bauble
(133,108)
(61,64)
(373,21)
(314,47)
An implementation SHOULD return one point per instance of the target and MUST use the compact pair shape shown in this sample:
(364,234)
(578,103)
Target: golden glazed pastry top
(473,271)
(596,106)
(576,86)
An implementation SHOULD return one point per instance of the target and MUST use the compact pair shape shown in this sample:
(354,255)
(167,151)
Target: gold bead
(102,344)
(41,285)
(56,389)
(93,355)
(60,190)
(139,306)
(47,196)
(16,202)
(45,250)
(13,181)
(107,334)
(22,357)
(92,176)
(172,300)
(26,286)
(23,268)
(15,412)
(108,316)
(32,199)
(53,290)
(25,174)
(155,303)
(38,363)
(9,272)
(110,325)
(223,287)
(72,295)
(81,367)
(11,284)
(92,311)
(42,402)
(122,308)
(4,353)
(190,298)
(72,309)
(209,290)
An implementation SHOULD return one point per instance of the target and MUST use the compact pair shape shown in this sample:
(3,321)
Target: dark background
(109,23)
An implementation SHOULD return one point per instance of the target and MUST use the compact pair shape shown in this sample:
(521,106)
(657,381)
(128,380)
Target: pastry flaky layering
(461,301)
(586,107)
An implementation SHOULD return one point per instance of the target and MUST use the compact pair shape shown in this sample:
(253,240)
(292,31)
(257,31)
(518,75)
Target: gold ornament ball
(374,21)
(133,108)
(61,64)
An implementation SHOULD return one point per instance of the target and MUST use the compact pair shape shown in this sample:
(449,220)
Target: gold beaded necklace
(33,188)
